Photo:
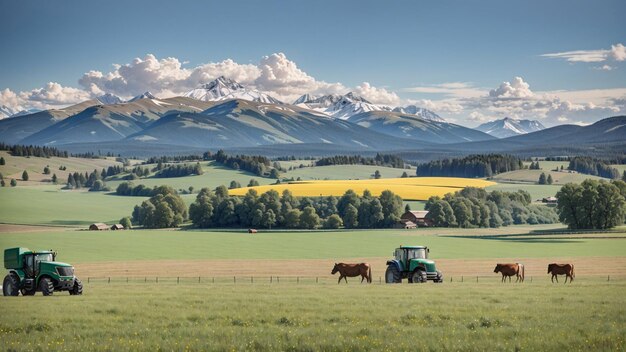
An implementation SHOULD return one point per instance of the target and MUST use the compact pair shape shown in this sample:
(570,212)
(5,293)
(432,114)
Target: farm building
(417,217)
(405,224)
(98,226)
(117,227)
(549,200)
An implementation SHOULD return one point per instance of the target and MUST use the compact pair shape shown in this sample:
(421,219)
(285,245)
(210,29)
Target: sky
(469,61)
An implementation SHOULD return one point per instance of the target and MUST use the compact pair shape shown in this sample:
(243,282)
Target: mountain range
(225,114)
(508,127)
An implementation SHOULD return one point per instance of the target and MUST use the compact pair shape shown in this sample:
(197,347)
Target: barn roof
(420,214)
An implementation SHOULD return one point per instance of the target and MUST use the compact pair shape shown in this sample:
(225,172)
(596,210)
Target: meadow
(329,317)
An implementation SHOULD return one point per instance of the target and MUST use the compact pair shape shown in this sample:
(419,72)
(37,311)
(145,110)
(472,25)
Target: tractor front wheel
(419,276)
(439,278)
(10,286)
(46,286)
(392,275)
(77,289)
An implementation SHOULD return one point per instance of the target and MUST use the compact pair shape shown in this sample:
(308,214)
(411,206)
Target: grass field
(532,176)
(288,317)
(536,191)
(345,172)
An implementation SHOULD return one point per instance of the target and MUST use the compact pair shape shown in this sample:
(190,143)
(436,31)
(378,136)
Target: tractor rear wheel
(419,277)
(77,289)
(10,286)
(46,286)
(392,275)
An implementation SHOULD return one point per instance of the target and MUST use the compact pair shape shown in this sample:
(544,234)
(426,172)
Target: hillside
(417,128)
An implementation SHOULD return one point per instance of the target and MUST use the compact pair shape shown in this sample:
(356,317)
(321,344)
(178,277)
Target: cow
(352,270)
(508,270)
(561,269)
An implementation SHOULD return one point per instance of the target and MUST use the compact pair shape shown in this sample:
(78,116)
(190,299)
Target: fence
(308,280)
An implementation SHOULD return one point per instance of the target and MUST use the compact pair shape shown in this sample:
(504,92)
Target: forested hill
(471,166)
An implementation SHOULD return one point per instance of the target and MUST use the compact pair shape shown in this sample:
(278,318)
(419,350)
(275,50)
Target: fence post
(109,279)
(88,279)
(608,278)
(277,279)
(198,279)
(461,278)
(251,280)
(234,279)
(297,279)
(380,280)
(531,279)
(213,279)
(476,278)
(271,279)
(317,280)
(178,279)
(126,279)
(157,279)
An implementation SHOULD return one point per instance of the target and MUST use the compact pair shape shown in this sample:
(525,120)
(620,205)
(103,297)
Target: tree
(126,222)
(54,178)
(201,210)
(292,218)
(309,218)
(348,198)
(542,179)
(404,175)
(624,176)
(46,170)
(350,217)
(377,174)
(274,174)
(190,189)
(269,219)
(333,222)
(98,186)
(2,183)
(2,161)
(591,205)
(253,183)
(407,208)
(13,182)
(25,176)
(391,208)
(549,179)
(234,184)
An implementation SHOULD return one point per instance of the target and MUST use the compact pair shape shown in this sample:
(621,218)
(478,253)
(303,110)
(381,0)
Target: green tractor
(412,263)
(32,271)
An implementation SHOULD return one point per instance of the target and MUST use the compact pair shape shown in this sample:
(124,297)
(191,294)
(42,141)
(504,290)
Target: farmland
(409,188)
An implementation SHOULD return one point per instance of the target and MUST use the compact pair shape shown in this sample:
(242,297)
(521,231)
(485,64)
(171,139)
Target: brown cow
(561,269)
(352,270)
(508,270)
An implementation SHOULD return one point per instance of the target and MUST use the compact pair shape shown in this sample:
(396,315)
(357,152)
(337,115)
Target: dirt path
(28,228)
(584,266)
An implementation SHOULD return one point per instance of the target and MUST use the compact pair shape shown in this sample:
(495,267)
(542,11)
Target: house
(418,217)
(117,227)
(405,224)
(549,200)
(98,226)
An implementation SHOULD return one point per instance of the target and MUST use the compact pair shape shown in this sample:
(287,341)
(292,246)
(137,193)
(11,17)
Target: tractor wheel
(439,278)
(26,292)
(419,277)
(392,275)
(77,289)
(46,286)
(10,286)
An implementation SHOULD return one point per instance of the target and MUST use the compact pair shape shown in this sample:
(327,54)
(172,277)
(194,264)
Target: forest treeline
(479,165)
(387,160)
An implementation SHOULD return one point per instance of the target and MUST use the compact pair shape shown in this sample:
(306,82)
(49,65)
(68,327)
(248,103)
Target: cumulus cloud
(11,99)
(604,68)
(515,89)
(54,95)
(617,52)
(376,95)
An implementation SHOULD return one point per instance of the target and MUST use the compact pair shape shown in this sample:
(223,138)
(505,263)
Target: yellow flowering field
(409,188)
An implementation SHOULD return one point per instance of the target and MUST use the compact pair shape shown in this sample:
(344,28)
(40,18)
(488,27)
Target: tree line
(379,160)
(475,207)
(256,164)
(592,204)
(480,165)
(591,166)
(33,150)
(94,181)
(179,170)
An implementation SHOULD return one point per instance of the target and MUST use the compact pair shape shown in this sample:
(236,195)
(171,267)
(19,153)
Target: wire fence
(320,280)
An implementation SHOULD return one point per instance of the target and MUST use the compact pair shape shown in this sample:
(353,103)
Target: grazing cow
(561,269)
(352,270)
(508,270)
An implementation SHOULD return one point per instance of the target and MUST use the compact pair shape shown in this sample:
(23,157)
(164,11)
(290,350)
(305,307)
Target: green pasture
(536,191)
(527,176)
(34,165)
(86,246)
(345,172)
(325,317)
(549,165)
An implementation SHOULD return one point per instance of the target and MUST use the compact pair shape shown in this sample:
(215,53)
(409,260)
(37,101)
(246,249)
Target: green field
(532,176)
(326,317)
(346,172)
(87,246)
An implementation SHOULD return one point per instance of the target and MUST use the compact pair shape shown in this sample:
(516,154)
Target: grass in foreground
(468,317)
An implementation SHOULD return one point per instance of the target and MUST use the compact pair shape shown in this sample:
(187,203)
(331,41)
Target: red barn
(418,217)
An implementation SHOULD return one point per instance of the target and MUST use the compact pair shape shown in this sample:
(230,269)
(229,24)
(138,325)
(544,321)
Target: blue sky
(443,55)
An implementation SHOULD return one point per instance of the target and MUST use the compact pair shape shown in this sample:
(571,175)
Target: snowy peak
(6,111)
(146,95)
(306,98)
(421,112)
(508,127)
(109,99)
(339,106)
(223,88)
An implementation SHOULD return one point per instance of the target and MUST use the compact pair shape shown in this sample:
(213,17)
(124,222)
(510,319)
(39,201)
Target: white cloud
(377,95)
(10,99)
(604,68)
(617,53)
(54,95)
(512,90)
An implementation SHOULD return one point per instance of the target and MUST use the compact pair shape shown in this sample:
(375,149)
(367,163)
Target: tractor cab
(411,262)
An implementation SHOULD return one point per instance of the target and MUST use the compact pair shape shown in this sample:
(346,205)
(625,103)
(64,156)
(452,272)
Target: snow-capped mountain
(6,111)
(26,112)
(224,88)
(508,127)
(339,106)
(109,99)
(421,112)
(146,95)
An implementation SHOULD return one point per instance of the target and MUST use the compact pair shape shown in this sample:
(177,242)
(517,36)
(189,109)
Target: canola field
(409,188)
